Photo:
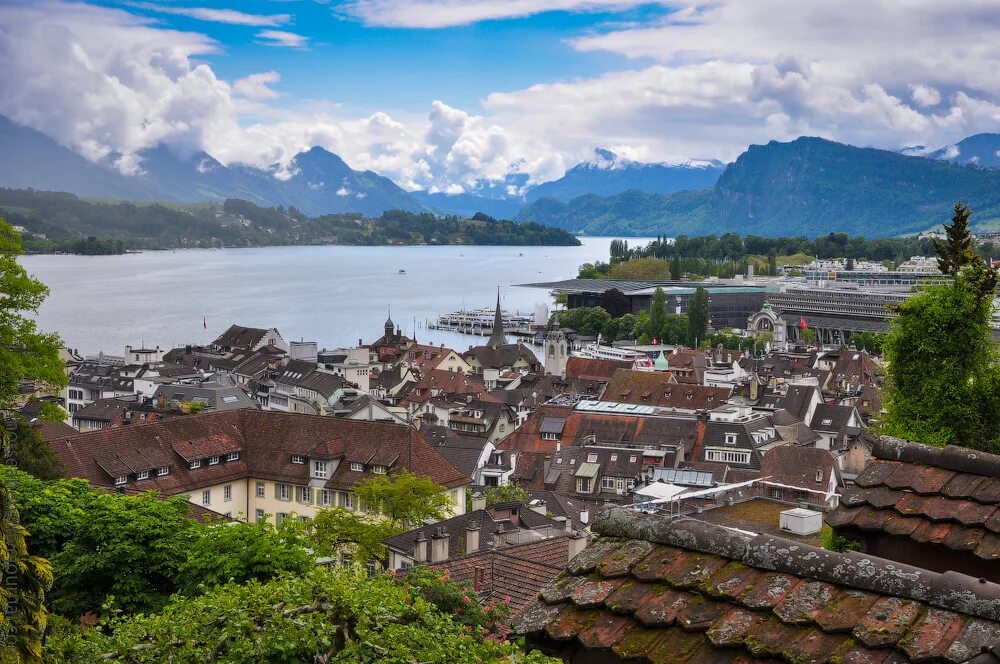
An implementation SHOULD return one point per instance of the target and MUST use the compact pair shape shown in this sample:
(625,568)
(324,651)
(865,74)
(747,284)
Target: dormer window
(379,470)
(142,475)
(213,460)
(819,475)
(195,464)
(298,458)
(592,458)
(232,456)
(730,439)
(356,466)
(162,470)
(632,459)
(614,457)
(320,470)
(121,479)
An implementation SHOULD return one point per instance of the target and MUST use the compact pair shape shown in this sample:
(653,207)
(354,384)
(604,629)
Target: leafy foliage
(491,620)
(641,268)
(336,529)
(504,494)
(698,316)
(403,498)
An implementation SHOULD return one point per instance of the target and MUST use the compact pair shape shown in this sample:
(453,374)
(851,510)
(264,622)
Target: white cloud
(924,95)
(282,38)
(257,86)
(447,13)
(230,16)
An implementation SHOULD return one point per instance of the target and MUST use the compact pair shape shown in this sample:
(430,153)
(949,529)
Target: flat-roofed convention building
(730,302)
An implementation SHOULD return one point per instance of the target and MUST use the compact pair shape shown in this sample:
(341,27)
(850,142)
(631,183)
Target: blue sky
(446,94)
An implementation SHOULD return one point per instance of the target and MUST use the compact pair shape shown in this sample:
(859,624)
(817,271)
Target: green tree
(595,321)
(125,554)
(504,494)
(337,529)
(626,327)
(25,352)
(404,499)
(658,311)
(675,329)
(238,552)
(26,578)
(51,511)
(642,269)
(334,617)
(955,252)
(30,452)
(809,335)
(698,316)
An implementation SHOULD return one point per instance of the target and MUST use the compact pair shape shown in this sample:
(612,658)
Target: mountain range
(808,186)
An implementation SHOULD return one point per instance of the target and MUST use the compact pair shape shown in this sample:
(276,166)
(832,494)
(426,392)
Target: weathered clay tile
(931,479)
(887,621)
(658,563)
(855,496)
(699,613)
(804,602)
(870,518)
(630,595)
(977,635)
(593,593)
(875,473)
(814,645)
(693,569)
(963,485)
(902,525)
(537,616)
(676,646)
(733,627)
(570,622)
(932,635)
(940,508)
(882,497)
(852,652)
(931,532)
(976,514)
(731,580)
(619,561)
(845,610)
(993,523)
(770,588)
(637,642)
(771,637)
(963,539)
(605,631)
(989,547)
(903,476)
(912,504)
(586,561)
(843,516)
(561,589)
(661,609)
(988,491)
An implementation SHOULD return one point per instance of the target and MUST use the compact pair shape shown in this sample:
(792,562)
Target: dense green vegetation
(943,364)
(58,222)
(810,184)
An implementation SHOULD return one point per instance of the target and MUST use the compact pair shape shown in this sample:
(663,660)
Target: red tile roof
(685,591)
(948,497)
(265,441)
(593,368)
(655,388)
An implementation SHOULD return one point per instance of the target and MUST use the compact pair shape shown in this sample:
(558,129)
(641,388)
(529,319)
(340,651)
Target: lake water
(331,295)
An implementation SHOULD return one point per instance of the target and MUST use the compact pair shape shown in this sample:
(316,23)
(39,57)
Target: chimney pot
(420,549)
(439,545)
(577,543)
(478,501)
(472,538)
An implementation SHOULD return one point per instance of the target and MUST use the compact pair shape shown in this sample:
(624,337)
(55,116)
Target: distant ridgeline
(60,222)
(808,186)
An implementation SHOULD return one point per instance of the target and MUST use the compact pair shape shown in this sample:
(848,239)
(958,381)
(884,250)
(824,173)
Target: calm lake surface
(331,295)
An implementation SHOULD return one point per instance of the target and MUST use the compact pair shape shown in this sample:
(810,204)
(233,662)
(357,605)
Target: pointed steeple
(498,338)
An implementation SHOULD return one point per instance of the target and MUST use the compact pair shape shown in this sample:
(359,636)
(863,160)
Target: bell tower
(556,351)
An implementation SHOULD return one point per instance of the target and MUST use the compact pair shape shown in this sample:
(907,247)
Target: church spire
(498,338)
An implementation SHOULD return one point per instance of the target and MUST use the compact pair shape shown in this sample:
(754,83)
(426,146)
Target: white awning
(660,491)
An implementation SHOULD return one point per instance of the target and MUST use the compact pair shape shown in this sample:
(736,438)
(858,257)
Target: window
(162,470)
(228,515)
(592,458)
(284,492)
(325,498)
(304,519)
(298,458)
(607,483)
(572,462)
(826,422)
(726,456)
(196,464)
(121,479)
(260,489)
(501,427)
(303,492)
(227,492)
(632,459)
(259,515)
(614,457)
(730,439)
(550,436)
(819,474)
(279,517)
(213,460)
(142,475)
(356,466)
(320,470)
(232,456)
(206,497)
(379,470)
(584,484)
(348,499)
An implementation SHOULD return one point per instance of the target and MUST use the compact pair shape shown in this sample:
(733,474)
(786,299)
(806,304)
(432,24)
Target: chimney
(439,545)
(472,538)
(540,507)
(478,501)
(499,537)
(577,543)
(585,516)
(564,523)
(420,549)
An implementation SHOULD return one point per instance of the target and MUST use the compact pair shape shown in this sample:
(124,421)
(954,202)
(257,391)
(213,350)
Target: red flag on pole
(802,322)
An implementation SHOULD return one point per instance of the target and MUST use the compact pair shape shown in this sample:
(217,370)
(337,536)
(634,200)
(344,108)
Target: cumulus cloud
(257,86)
(924,95)
(230,16)
(282,38)
(448,13)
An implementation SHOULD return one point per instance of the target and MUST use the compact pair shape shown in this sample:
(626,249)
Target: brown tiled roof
(593,368)
(687,591)
(451,383)
(265,440)
(798,466)
(947,497)
(515,573)
(656,388)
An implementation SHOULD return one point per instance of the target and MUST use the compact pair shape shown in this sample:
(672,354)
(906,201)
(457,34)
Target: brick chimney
(577,543)
(472,537)
(439,545)
(420,549)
